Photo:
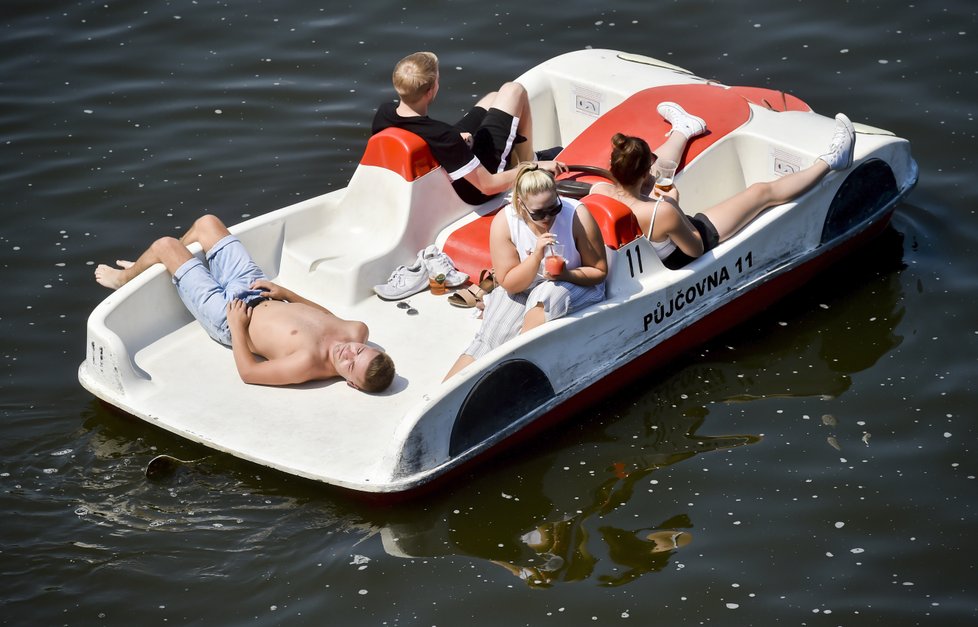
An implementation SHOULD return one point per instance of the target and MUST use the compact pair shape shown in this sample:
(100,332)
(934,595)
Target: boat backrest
(617,222)
(468,246)
(400,151)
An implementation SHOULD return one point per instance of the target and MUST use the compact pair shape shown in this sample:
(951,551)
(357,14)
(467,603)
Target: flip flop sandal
(467,298)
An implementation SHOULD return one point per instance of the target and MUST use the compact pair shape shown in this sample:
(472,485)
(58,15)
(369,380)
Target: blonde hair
(414,75)
(530,180)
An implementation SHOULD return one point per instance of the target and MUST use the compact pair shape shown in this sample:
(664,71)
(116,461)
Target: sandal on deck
(468,297)
(472,295)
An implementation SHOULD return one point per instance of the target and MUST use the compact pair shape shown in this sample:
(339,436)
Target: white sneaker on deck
(840,154)
(438,262)
(685,123)
(404,281)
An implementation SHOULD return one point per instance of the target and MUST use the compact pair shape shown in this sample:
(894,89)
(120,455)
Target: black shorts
(709,235)
(493,136)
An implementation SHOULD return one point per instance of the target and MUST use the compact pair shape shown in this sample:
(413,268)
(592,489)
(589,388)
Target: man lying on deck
(239,307)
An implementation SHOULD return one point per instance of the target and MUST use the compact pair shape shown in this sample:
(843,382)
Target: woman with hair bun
(678,238)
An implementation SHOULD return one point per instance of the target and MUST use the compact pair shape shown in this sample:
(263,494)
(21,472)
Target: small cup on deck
(664,171)
(554,262)
(437,284)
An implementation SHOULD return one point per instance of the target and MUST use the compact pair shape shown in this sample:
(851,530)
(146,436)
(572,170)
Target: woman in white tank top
(520,239)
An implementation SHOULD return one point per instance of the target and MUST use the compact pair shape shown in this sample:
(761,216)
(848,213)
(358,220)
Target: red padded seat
(400,151)
(469,246)
(723,110)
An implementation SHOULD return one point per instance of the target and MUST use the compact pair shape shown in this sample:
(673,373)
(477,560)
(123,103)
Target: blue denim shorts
(207,289)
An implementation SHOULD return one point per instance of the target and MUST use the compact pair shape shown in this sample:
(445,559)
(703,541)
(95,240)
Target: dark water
(813,467)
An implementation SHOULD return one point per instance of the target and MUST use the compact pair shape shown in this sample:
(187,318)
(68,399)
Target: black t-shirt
(445,142)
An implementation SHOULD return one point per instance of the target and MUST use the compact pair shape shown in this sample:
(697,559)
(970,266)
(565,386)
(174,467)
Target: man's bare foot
(112,278)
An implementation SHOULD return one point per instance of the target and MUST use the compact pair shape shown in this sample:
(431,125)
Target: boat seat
(400,151)
(406,154)
(723,108)
(468,246)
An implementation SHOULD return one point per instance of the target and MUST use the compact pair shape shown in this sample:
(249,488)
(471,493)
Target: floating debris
(829,420)
(865,438)
(833,442)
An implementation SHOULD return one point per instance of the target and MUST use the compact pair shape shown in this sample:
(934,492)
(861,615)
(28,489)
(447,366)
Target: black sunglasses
(411,311)
(543,214)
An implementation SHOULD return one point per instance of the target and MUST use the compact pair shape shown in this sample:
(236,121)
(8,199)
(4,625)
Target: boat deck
(302,425)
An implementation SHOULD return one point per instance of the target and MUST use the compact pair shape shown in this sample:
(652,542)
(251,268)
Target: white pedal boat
(146,356)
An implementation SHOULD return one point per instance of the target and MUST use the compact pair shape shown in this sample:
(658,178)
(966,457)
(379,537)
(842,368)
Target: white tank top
(525,240)
(666,247)
(662,249)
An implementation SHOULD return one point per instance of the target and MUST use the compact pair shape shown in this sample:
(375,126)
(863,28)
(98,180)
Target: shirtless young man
(475,150)
(239,307)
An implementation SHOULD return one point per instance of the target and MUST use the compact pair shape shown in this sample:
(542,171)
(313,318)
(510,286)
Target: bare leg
(512,99)
(673,148)
(208,230)
(486,101)
(534,318)
(461,362)
(166,250)
(169,251)
(733,214)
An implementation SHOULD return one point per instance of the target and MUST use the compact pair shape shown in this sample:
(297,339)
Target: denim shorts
(206,290)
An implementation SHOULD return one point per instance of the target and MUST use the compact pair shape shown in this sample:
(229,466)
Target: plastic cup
(437,285)
(554,263)
(664,171)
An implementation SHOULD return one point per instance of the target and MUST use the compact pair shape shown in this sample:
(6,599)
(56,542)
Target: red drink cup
(554,265)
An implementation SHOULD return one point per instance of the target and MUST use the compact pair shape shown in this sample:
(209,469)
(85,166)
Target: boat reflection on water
(541,533)
(539,517)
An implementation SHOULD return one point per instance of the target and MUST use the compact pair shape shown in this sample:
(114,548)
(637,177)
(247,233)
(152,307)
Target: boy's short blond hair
(414,75)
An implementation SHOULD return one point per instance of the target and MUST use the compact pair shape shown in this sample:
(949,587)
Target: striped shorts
(504,313)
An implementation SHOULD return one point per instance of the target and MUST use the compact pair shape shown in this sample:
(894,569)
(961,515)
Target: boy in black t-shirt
(475,150)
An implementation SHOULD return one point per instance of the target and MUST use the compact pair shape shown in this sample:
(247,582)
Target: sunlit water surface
(813,467)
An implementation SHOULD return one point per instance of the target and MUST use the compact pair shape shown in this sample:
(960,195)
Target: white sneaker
(688,125)
(839,156)
(438,262)
(404,281)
